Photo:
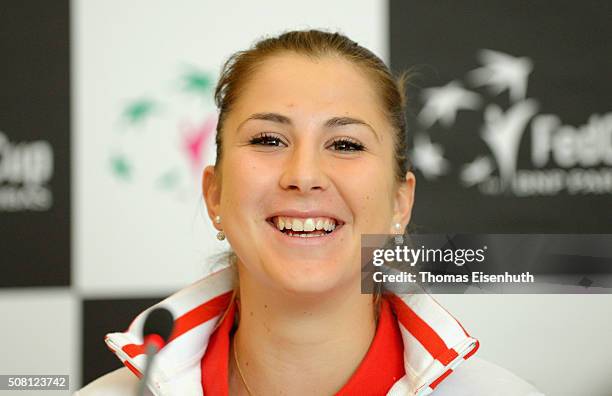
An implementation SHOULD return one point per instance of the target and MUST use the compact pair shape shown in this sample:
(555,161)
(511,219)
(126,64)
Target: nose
(304,170)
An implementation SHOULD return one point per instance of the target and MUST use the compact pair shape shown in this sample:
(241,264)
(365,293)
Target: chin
(310,277)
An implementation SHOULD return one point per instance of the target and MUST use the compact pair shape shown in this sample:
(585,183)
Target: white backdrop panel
(560,343)
(40,334)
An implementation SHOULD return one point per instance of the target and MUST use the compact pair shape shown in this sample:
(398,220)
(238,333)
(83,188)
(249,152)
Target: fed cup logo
(26,172)
(160,139)
(562,158)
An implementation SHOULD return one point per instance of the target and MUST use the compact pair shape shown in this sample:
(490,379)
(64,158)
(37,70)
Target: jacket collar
(435,343)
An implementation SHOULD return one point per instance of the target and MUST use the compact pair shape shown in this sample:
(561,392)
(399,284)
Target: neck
(290,344)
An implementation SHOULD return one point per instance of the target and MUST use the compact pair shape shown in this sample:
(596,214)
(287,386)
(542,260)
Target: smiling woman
(306,138)
(311,145)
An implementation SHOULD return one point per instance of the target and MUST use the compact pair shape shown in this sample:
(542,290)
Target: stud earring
(220,234)
(399,238)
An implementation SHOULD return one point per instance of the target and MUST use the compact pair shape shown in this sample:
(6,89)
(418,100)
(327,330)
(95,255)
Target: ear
(211,190)
(404,200)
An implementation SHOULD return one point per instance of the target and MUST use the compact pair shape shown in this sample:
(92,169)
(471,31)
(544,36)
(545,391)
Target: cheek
(368,192)
(247,181)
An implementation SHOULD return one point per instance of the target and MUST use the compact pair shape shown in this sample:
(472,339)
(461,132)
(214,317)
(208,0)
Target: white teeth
(297,225)
(309,225)
(308,235)
(304,224)
(313,235)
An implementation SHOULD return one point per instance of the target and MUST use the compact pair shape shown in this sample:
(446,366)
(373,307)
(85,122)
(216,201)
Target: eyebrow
(333,122)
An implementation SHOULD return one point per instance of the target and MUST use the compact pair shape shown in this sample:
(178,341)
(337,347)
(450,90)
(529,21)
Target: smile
(320,228)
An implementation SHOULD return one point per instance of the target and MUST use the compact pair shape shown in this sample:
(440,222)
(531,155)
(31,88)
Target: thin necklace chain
(238,367)
(238,364)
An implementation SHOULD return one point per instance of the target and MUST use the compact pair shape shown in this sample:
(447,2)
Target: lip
(300,241)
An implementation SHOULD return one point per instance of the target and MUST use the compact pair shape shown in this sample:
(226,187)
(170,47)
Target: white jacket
(437,350)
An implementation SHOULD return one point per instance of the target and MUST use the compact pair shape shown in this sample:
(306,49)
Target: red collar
(382,366)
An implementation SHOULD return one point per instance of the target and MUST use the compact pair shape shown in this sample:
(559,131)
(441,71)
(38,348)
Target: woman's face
(306,143)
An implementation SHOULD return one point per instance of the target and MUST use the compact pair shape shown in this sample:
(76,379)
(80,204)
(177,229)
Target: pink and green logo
(179,121)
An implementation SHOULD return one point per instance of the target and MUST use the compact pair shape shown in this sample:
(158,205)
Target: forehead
(304,86)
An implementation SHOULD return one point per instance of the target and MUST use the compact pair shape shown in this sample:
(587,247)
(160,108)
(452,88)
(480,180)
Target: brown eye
(266,139)
(347,145)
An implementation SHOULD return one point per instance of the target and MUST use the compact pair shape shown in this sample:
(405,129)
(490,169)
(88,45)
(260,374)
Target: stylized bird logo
(443,103)
(476,171)
(198,82)
(428,157)
(501,71)
(138,111)
(194,139)
(120,166)
(503,131)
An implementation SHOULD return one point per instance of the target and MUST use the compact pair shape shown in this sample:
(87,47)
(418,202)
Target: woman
(310,156)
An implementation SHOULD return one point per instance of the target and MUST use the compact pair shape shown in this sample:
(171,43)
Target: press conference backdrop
(107,119)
